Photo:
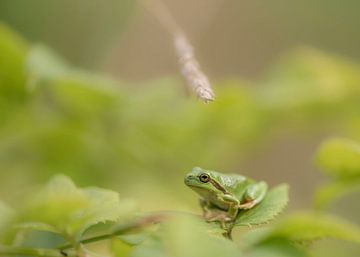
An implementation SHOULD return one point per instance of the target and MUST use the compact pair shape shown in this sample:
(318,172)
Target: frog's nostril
(188,177)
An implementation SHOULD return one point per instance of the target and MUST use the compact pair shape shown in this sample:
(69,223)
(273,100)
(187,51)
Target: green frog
(224,195)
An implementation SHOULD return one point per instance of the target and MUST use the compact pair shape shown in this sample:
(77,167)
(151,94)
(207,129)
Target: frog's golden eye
(204,178)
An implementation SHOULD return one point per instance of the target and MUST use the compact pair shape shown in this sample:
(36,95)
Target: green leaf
(272,205)
(123,245)
(13,51)
(331,192)
(185,236)
(121,249)
(36,226)
(308,226)
(6,215)
(44,64)
(308,76)
(63,208)
(277,247)
(340,158)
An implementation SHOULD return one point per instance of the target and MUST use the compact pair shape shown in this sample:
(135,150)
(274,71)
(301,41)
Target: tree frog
(223,195)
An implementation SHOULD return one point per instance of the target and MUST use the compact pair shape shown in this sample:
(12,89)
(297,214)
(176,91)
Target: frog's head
(204,182)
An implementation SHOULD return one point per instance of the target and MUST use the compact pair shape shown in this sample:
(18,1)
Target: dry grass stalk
(196,80)
(191,71)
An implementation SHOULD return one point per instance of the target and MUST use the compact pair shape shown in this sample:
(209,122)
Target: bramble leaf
(272,205)
(333,191)
(63,208)
(308,226)
(313,226)
(340,158)
(277,247)
(185,236)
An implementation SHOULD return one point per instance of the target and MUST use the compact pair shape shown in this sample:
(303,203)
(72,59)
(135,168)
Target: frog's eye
(204,177)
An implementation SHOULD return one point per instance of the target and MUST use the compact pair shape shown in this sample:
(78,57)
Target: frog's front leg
(254,194)
(205,206)
(211,213)
(233,205)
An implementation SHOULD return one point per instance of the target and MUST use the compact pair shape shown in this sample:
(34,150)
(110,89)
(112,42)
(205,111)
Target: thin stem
(121,229)
(60,251)
(228,231)
(39,252)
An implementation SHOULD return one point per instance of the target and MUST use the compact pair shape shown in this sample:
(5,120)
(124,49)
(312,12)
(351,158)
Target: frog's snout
(188,178)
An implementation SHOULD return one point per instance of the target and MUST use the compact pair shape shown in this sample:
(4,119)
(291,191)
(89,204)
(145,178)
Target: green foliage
(12,75)
(333,191)
(185,236)
(340,158)
(308,76)
(5,216)
(90,27)
(312,226)
(277,247)
(77,122)
(293,235)
(274,203)
(63,208)
(43,64)
(57,118)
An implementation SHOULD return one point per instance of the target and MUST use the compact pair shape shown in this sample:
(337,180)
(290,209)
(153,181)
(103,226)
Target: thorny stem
(190,68)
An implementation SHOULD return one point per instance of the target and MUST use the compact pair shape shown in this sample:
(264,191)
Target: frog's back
(234,183)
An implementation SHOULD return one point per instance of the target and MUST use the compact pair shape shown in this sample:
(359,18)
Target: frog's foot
(247,205)
(214,215)
(219,216)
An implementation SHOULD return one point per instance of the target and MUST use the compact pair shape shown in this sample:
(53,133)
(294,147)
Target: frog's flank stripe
(218,186)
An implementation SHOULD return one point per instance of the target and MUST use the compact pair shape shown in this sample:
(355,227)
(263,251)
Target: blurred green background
(91,89)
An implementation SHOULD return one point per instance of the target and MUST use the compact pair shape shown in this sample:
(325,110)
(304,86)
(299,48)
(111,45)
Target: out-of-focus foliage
(340,159)
(60,119)
(58,215)
(310,77)
(308,87)
(61,212)
(75,122)
(5,216)
(184,236)
(13,51)
(307,227)
(89,28)
(63,208)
